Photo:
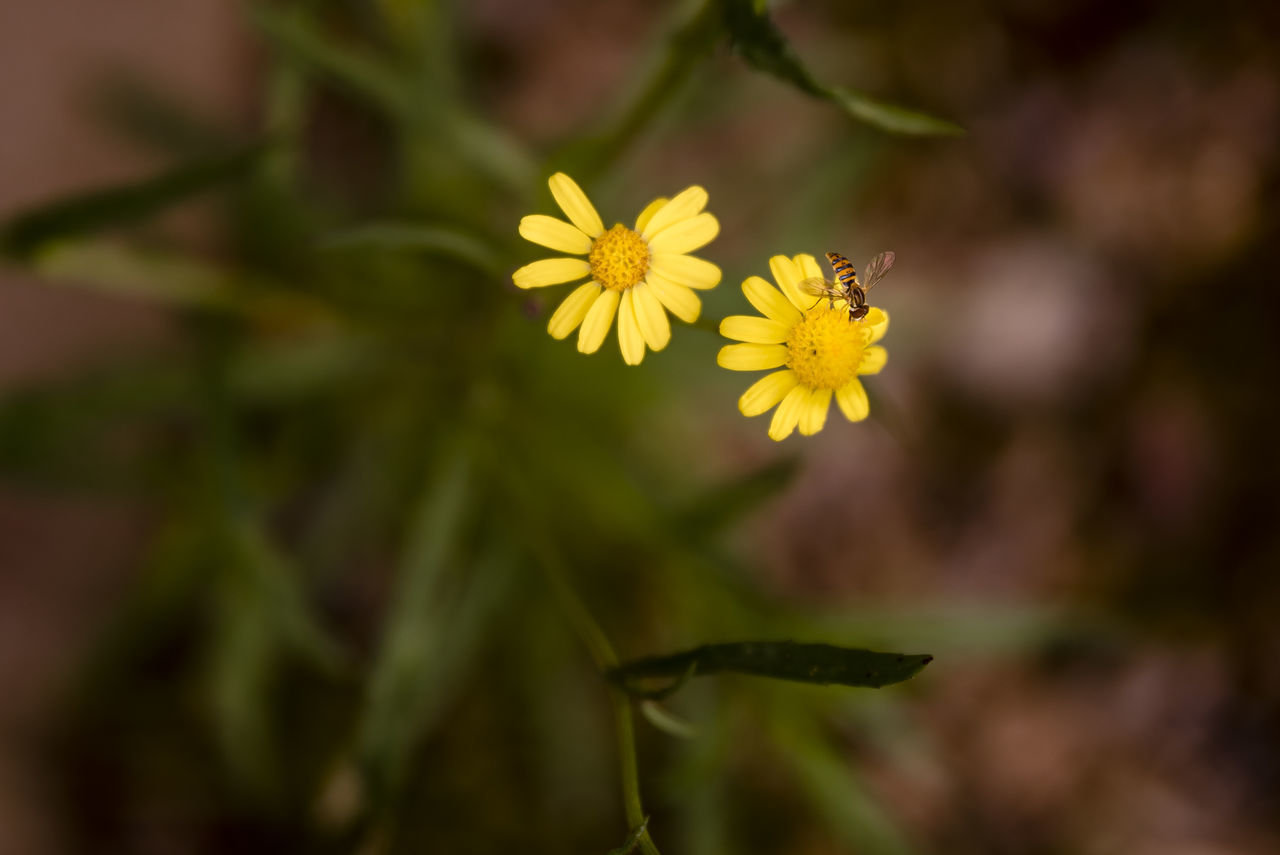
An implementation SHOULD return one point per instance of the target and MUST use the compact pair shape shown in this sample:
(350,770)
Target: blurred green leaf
(844,803)
(756,38)
(782,660)
(890,117)
(124,203)
(432,239)
(144,112)
(404,683)
(443,133)
(354,70)
(176,280)
(261,613)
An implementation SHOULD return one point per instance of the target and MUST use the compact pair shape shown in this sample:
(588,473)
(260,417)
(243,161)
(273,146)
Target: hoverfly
(847,287)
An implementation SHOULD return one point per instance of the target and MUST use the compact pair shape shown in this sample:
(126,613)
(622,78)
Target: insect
(847,287)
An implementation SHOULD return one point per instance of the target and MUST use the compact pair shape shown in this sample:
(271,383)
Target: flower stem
(686,47)
(604,657)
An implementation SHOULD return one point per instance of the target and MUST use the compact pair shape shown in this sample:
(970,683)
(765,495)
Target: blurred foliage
(389,513)
(356,452)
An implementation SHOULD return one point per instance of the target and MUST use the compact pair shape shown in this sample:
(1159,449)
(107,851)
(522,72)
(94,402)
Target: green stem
(685,49)
(604,657)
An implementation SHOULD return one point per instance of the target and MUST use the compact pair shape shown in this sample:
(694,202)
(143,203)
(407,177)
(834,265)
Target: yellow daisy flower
(824,352)
(638,274)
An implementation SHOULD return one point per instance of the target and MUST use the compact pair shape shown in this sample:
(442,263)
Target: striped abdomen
(845,273)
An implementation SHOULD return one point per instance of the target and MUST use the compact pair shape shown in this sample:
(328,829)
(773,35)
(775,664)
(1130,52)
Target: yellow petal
(651,317)
(630,339)
(766,392)
(877,320)
(680,300)
(550,271)
(556,234)
(687,235)
(647,214)
(813,414)
(769,301)
(751,328)
(808,266)
(575,204)
(572,310)
(788,413)
(752,357)
(682,206)
(873,359)
(685,269)
(788,277)
(852,399)
(595,326)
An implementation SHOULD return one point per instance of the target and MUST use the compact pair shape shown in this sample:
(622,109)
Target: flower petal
(787,275)
(877,320)
(852,399)
(685,269)
(813,413)
(873,359)
(808,266)
(682,206)
(630,340)
(550,271)
(556,234)
(687,235)
(788,413)
(765,392)
(571,312)
(651,317)
(751,328)
(680,300)
(575,204)
(647,214)
(595,326)
(769,301)
(751,357)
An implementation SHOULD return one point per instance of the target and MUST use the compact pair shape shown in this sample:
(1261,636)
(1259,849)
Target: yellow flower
(823,351)
(638,274)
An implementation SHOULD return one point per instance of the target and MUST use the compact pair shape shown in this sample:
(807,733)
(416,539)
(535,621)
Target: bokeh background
(278,461)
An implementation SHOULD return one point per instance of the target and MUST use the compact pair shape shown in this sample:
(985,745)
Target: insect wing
(877,268)
(819,287)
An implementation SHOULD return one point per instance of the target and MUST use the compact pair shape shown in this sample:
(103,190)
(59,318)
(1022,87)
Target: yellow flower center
(619,258)
(825,347)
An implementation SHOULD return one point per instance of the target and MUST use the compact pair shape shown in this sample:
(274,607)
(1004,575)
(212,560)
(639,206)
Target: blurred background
(282,450)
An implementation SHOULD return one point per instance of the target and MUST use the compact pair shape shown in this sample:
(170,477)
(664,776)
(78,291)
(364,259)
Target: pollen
(619,258)
(825,348)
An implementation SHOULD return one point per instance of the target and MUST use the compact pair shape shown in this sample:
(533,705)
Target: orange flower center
(825,347)
(619,258)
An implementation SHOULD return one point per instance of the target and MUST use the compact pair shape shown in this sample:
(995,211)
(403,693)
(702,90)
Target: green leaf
(144,111)
(756,38)
(898,120)
(431,630)
(176,280)
(431,239)
(359,73)
(783,660)
(837,793)
(444,132)
(124,203)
